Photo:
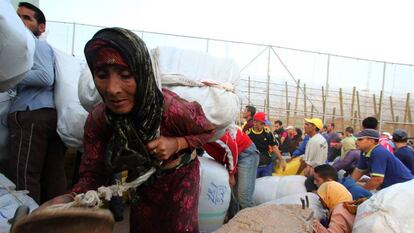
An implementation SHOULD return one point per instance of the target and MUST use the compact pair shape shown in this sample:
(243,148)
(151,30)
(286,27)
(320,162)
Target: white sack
(198,76)
(5,101)
(196,65)
(71,115)
(295,199)
(390,210)
(271,188)
(88,94)
(215,194)
(17,47)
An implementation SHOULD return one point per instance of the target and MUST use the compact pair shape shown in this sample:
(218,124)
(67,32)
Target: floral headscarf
(132,131)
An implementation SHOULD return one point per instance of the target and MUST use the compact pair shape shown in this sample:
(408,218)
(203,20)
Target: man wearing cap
(316,151)
(403,152)
(383,167)
(264,141)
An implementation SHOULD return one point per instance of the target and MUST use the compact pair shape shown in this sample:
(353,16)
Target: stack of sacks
(271,188)
(214,196)
(71,115)
(390,210)
(198,76)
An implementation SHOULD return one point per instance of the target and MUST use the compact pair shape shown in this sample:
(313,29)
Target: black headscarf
(132,131)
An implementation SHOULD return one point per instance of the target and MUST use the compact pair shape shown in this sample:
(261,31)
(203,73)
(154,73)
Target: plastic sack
(389,210)
(5,102)
(88,94)
(71,115)
(295,199)
(271,188)
(214,196)
(17,47)
(198,76)
(291,168)
(10,200)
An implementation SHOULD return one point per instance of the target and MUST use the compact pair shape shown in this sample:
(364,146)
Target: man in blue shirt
(383,167)
(403,152)
(36,151)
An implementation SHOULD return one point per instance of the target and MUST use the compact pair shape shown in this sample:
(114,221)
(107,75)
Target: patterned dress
(169,203)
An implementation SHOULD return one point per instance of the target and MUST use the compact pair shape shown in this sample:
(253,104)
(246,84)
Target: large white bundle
(17,47)
(88,94)
(5,102)
(198,76)
(271,188)
(71,115)
(196,65)
(295,199)
(387,211)
(214,196)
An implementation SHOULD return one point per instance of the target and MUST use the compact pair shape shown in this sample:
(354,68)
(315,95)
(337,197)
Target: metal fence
(288,83)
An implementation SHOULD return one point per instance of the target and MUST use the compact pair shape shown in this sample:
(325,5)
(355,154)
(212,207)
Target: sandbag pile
(270,218)
(390,210)
(198,76)
(271,188)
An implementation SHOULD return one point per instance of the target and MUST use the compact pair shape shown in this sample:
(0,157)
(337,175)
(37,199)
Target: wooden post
(297,97)
(333,114)
(341,108)
(354,122)
(407,105)
(352,103)
(323,105)
(248,90)
(375,107)
(287,98)
(304,99)
(288,113)
(392,109)
(359,107)
(312,108)
(380,110)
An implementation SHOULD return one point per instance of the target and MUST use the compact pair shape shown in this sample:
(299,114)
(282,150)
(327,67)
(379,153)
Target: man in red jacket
(240,156)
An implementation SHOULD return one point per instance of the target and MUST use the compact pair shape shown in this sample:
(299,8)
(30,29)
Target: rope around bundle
(93,199)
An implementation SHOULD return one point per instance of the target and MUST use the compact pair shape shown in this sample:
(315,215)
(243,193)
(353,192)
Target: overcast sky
(380,30)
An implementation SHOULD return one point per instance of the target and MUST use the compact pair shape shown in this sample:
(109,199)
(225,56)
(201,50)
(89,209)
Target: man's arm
(42,73)
(357,173)
(374,183)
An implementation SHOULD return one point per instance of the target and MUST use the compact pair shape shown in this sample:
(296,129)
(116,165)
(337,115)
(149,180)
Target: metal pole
(382,96)
(326,90)
(268,82)
(73,39)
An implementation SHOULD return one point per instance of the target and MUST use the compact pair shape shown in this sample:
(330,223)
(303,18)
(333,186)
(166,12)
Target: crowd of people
(139,126)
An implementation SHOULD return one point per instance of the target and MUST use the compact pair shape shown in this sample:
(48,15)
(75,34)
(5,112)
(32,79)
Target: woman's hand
(164,147)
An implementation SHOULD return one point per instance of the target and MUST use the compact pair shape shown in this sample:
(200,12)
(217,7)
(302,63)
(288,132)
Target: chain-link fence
(290,84)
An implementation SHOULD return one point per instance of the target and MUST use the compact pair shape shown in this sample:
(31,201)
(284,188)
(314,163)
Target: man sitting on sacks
(384,168)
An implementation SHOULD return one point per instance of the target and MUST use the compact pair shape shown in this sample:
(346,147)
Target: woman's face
(117,86)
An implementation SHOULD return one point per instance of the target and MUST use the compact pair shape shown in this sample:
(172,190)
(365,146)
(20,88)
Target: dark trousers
(36,154)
